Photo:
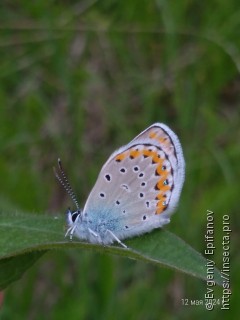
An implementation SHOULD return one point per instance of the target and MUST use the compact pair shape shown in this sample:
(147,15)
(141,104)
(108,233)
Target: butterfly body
(136,191)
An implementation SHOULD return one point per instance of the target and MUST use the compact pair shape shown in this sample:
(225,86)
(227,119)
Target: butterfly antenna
(65,183)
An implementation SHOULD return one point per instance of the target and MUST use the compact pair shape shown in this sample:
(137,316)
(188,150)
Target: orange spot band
(120,157)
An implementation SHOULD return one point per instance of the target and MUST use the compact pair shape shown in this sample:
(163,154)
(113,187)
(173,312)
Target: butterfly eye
(75,215)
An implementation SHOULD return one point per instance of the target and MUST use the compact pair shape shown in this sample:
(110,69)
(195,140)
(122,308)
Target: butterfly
(137,189)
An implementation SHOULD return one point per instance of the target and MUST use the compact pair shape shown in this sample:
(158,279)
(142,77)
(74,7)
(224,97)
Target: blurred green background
(78,79)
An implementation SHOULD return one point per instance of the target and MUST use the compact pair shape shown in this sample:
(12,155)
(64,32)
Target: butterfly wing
(164,138)
(139,186)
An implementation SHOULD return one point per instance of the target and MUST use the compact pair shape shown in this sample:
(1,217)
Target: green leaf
(12,268)
(24,239)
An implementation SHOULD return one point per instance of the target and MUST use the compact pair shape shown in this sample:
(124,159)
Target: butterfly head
(73,216)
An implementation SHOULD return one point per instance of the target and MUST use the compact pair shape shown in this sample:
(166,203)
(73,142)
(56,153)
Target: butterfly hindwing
(135,190)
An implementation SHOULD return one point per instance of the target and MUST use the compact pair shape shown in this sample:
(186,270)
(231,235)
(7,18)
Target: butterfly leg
(116,238)
(96,235)
(93,233)
(71,229)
